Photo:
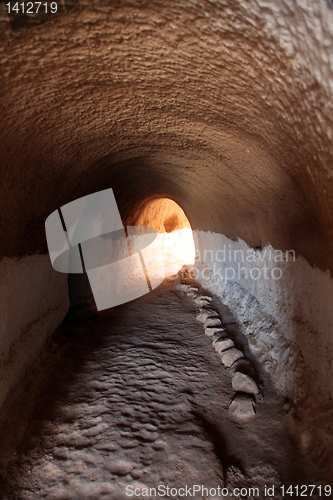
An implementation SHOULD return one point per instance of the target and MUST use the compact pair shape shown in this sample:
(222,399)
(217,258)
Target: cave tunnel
(211,121)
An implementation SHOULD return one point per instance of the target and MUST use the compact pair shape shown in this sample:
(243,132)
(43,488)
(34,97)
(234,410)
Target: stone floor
(138,398)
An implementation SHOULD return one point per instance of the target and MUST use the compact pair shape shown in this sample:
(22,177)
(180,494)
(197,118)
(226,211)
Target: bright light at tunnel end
(122,264)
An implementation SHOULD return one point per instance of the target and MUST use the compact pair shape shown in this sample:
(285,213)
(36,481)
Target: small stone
(127,445)
(212,331)
(223,345)
(147,436)
(118,467)
(159,445)
(203,303)
(151,427)
(181,287)
(230,356)
(125,434)
(242,407)
(60,453)
(212,322)
(206,314)
(244,383)
(136,474)
(220,335)
(136,426)
(106,447)
(202,317)
(202,300)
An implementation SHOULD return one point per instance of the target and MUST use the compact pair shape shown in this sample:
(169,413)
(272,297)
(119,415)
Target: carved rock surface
(223,345)
(204,315)
(214,331)
(229,357)
(212,322)
(243,383)
(242,407)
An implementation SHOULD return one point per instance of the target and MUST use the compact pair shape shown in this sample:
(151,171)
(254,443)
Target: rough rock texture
(293,296)
(212,322)
(202,317)
(224,106)
(230,356)
(310,408)
(222,345)
(212,331)
(162,214)
(33,302)
(243,383)
(139,394)
(242,407)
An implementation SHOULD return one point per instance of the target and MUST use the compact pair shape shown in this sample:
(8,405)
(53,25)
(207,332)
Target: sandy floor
(138,398)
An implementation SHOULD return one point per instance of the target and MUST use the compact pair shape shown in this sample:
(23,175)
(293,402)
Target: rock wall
(284,307)
(225,107)
(33,302)
(162,214)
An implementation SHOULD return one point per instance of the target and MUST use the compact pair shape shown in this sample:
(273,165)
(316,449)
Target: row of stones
(243,403)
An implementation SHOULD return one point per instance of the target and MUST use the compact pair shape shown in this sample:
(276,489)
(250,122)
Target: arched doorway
(175,233)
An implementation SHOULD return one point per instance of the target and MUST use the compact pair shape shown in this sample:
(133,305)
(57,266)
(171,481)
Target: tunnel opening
(174,229)
(129,266)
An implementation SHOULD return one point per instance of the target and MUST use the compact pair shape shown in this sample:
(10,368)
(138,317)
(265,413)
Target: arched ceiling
(201,102)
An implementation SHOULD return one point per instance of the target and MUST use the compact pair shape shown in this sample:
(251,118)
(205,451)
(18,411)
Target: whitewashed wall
(289,300)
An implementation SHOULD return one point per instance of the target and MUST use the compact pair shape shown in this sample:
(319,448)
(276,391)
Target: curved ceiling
(195,101)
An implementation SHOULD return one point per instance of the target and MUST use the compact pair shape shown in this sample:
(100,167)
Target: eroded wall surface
(33,302)
(284,307)
(225,107)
